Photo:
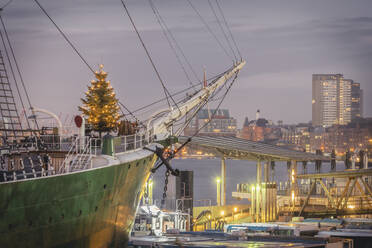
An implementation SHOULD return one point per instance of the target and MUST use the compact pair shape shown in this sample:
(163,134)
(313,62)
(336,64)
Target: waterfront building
(335,100)
(259,129)
(221,123)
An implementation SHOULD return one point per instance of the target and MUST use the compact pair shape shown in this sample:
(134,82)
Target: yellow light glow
(235,209)
(209,217)
(222,213)
(351,206)
(293,196)
(218,180)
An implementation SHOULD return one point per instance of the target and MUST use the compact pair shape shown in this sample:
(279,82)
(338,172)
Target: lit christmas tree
(100,105)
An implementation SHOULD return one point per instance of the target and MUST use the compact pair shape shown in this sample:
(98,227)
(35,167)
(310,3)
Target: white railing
(80,154)
(56,142)
(82,150)
(133,142)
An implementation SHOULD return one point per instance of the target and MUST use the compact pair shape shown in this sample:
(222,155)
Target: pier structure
(263,193)
(354,197)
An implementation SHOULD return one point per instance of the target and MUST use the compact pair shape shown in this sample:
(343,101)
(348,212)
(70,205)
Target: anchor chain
(167,173)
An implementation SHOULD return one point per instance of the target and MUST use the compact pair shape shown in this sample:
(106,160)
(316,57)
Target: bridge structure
(263,193)
(353,196)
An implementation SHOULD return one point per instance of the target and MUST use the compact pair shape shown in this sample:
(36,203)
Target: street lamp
(235,210)
(218,180)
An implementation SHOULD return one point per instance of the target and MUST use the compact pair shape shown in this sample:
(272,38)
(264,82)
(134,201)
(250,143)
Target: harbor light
(218,180)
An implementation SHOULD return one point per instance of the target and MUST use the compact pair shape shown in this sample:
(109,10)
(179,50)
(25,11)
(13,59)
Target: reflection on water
(237,171)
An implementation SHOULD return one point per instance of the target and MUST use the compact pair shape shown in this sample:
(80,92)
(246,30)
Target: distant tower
(257,114)
(246,122)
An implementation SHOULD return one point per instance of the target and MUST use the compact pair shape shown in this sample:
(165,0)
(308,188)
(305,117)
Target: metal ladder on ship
(11,127)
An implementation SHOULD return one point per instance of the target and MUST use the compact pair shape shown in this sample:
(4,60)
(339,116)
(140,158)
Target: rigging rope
(15,81)
(209,29)
(131,113)
(222,30)
(165,30)
(228,28)
(64,36)
(176,93)
(218,106)
(178,46)
(6,4)
(19,73)
(72,46)
(166,92)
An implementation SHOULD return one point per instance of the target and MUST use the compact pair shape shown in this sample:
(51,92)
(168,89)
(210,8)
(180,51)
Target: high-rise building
(335,100)
(356,101)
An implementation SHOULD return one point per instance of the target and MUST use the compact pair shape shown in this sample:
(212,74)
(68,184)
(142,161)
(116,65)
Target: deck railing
(82,150)
(133,142)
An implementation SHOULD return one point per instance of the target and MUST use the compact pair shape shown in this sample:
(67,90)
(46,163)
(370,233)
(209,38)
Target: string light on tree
(100,105)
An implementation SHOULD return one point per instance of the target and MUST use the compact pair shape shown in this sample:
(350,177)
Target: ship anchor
(165,160)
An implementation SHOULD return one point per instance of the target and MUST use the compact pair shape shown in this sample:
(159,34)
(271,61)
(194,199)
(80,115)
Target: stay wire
(174,94)
(131,113)
(68,41)
(15,81)
(166,92)
(228,29)
(6,4)
(164,29)
(64,36)
(218,106)
(222,29)
(209,29)
(177,44)
(19,73)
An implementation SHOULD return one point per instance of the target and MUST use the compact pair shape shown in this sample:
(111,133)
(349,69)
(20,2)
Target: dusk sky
(284,42)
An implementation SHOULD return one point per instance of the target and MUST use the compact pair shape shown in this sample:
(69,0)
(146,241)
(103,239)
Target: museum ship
(82,191)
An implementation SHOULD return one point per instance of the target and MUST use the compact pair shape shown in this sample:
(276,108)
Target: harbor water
(237,171)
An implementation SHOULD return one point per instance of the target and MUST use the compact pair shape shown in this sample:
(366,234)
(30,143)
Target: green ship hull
(90,208)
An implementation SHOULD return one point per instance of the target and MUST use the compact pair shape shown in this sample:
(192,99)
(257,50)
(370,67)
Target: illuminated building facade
(256,130)
(356,101)
(335,100)
(221,124)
